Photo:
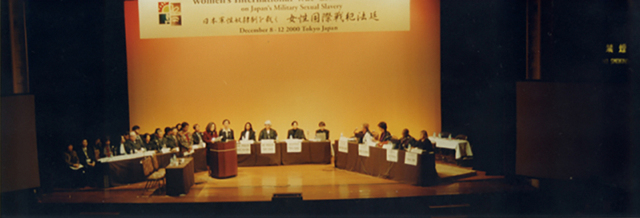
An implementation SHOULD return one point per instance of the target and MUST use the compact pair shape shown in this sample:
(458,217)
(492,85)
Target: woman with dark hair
(210,134)
(107,149)
(170,137)
(184,138)
(362,133)
(197,135)
(322,130)
(248,133)
(226,132)
(406,142)
(295,132)
(384,136)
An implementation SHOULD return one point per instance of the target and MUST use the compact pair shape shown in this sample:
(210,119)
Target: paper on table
(411,158)
(294,145)
(392,155)
(268,146)
(363,150)
(244,147)
(388,145)
(343,145)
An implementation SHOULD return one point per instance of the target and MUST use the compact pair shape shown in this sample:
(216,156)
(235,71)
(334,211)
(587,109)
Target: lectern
(222,159)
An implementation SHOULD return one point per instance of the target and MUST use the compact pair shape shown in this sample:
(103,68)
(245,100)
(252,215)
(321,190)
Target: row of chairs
(155,175)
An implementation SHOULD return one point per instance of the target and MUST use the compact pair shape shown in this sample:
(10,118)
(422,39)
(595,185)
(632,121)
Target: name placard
(411,158)
(268,147)
(392,155)
(343,145)
(193,18)
(294,145)
(363,150)
(244,147)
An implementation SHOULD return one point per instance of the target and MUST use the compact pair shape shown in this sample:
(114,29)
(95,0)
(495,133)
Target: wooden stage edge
(314,182)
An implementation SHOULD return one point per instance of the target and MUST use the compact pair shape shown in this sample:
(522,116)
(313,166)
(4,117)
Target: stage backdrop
(341,78)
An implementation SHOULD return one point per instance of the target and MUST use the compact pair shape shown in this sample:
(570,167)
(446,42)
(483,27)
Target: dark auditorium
(320,108)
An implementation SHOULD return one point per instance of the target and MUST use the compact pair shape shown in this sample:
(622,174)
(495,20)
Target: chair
(461,137)
(445,134)
(155,175)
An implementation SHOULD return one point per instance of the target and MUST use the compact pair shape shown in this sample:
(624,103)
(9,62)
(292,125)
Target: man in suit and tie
(267,132)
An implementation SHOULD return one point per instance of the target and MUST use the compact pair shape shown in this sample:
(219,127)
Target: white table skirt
(462,147)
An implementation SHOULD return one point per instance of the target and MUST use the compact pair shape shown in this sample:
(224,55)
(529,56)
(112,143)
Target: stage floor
(314,182)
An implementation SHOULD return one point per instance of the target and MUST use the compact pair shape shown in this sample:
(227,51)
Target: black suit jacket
(82,157)
(226,137)
(252,135)
(272,134)
(296,134)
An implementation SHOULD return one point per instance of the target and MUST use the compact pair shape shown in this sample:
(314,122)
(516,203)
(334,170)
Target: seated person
(360,134)
(248,133)
(75,170)
(210,134)
(87,158)
(157,141)
(295,132)
(184,138)
(139,139)
(107,148)
(97,146)
(323,130)
(197,135)
(226,132)
(132,146)
(146,140)
(406,142)
(424,143)
(267,132)
(170,137)
(384,136)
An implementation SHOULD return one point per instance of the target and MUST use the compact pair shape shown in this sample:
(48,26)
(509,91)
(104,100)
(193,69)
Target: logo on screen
(170,13)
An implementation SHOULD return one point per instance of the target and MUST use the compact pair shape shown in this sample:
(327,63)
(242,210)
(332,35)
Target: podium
(222,159)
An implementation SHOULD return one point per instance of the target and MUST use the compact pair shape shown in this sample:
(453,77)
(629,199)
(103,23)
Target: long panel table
(311,153)
(462,147)
(376,164)
(127,169)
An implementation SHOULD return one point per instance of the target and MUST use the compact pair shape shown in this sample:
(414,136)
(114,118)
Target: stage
(314,182)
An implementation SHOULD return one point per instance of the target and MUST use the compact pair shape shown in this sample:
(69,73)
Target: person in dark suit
(424,143)
(184,138)
(197,135)
(406,142)
(360,133)
(226,132)
(170,137)
(130,146)
(87,158)
(74,173)
(323,130)
(210,134)
(139,140)
(248,133)
(267,132)
(385,135)
(157,141)
(295,132)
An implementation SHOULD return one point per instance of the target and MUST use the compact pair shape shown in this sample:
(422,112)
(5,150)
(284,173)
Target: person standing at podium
(210,134)
(226,132)
(295,132)
(323,130)
(248,133)
(267,132)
